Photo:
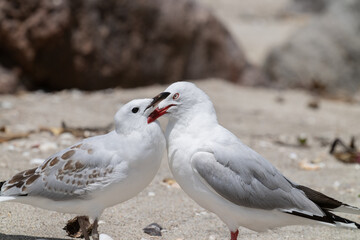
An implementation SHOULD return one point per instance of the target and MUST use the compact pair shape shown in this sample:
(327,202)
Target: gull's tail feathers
(328,205)
(5,198)
(329,219)
(345,208)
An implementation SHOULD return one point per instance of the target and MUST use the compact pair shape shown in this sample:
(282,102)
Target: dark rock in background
(100,44)
(8,80)
(323,56)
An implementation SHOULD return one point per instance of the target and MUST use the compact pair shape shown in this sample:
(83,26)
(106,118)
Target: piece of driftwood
(77,131)
(6,135)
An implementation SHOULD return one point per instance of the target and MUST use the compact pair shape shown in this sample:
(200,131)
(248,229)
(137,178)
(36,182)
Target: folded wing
(74,172)
(244,178)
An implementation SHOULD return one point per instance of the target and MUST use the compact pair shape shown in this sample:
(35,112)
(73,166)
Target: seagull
(97,172)
(228,178)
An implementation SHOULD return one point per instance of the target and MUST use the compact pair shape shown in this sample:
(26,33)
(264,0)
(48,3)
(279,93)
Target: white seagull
(228,178)
(96,173)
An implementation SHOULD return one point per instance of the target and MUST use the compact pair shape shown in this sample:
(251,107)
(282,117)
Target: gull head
(179,100)
(132,116)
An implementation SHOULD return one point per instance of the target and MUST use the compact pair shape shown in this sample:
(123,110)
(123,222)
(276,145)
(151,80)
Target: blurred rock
(254,76)
(323,56)
(8,81)
(313,6)
(100,44)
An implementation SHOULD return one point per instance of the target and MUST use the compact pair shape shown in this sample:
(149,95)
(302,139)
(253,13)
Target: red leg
(234,235)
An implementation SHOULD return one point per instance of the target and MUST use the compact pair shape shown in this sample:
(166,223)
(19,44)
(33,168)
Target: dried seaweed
(72,227)
(348,153)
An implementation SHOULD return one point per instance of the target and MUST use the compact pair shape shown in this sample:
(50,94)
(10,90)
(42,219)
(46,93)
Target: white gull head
(132,117)
(183,101)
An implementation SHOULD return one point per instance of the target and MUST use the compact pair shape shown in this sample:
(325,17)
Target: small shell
(309,166)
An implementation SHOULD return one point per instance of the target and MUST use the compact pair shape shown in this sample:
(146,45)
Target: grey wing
(244,178)
(75,172)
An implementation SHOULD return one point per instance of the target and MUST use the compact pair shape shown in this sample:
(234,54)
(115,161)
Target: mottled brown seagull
(96,173)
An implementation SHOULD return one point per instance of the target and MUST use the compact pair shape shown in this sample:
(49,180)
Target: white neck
(195,121)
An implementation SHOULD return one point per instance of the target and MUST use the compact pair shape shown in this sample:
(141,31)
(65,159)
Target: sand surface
(255,115)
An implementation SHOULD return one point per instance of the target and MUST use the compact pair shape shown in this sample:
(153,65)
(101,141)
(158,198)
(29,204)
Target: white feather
(5,198)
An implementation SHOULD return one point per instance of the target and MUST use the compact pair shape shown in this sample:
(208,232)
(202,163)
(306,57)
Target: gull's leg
(83,228)
(94,233)
(234,235)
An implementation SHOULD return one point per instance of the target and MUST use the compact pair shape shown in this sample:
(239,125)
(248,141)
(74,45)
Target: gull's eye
(176,96)
(135,109)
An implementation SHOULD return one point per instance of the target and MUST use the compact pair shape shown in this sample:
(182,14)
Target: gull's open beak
(158,113)
(158,98)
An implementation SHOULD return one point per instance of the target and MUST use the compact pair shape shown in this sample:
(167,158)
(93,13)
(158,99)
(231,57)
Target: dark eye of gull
(135,109)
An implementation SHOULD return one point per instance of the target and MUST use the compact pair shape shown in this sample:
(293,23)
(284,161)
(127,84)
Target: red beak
(158,113)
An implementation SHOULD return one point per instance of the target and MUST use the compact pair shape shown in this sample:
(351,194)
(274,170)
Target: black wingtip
(319,198)
(1,184)
(329,218)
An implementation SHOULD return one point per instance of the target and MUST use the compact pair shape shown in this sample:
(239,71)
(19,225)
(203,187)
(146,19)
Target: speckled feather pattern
(97,172)
(71,173)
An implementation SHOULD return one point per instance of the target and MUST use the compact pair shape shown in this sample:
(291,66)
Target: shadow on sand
(23,237)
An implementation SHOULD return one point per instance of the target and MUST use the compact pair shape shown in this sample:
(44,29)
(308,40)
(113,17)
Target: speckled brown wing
(19,182)
(72,173)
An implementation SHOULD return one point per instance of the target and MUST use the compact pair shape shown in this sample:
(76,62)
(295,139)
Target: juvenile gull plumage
(97,172)
(230,179)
